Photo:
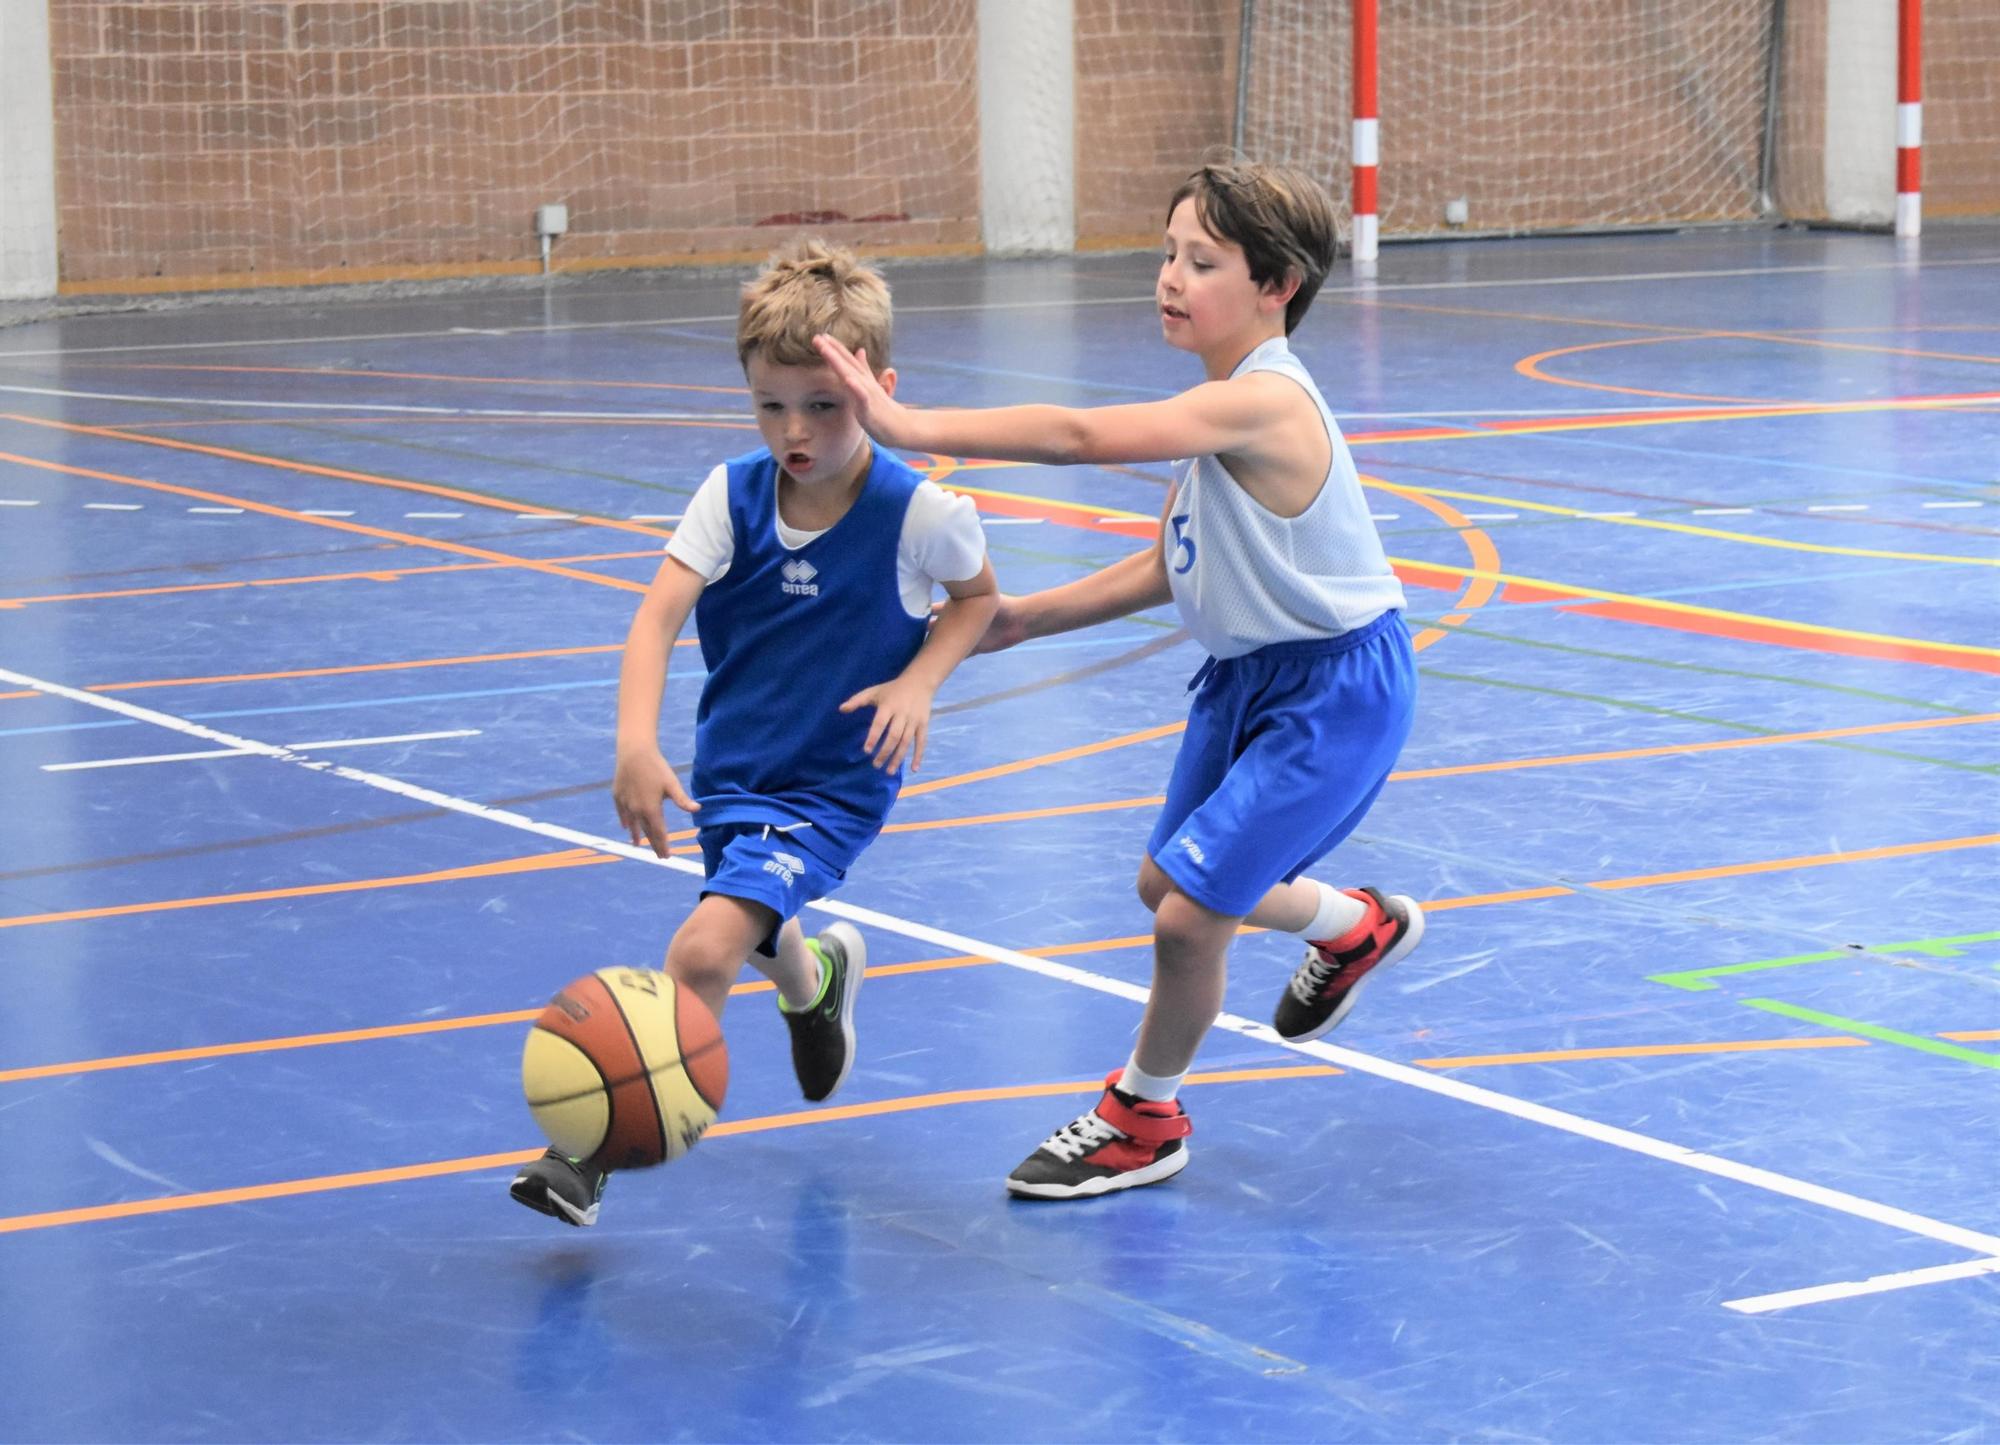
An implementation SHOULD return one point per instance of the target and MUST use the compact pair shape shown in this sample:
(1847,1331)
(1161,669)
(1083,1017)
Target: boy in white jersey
(809,565)
(1267,547)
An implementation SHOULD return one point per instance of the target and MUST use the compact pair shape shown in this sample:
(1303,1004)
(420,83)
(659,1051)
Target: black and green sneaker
(823,1031)
(561,1187)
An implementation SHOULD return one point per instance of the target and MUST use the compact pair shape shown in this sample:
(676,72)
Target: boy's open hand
(880,414)
(642,779)
(902,721)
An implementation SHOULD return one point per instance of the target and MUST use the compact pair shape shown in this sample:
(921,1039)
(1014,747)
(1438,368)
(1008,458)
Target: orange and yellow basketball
(625,1068)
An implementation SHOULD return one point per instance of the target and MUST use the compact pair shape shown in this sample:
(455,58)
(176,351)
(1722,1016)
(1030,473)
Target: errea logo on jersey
(799,575)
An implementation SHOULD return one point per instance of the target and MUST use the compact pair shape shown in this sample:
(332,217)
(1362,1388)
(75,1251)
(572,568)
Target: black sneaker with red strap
(1323,989)
(1122,1143)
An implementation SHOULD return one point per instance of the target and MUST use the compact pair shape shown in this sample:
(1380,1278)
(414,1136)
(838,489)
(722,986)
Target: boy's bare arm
(903,705)
(1131,584)
(1213,418)
(643,777)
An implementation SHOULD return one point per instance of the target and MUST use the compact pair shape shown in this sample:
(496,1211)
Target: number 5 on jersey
(1183,544)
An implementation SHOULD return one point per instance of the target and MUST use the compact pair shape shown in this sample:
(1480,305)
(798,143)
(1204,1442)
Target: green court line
(1695,980)
(1657,662)
(1750,729)
(1874,1031)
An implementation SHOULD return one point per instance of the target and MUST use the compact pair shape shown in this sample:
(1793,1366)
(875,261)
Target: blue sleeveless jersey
(788,636)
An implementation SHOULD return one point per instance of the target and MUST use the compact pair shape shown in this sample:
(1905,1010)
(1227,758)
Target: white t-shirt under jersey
(942,539)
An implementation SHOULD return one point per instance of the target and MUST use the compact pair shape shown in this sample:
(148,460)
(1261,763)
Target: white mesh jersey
(1244,577)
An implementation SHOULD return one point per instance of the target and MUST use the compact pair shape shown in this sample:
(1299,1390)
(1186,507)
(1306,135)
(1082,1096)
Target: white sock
(1153,1087)
(1338,914)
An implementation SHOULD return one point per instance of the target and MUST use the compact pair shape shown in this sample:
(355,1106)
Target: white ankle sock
(1137,1082)
(1338,914)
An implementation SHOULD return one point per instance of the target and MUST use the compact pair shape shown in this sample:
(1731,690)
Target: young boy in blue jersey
(1298,715)
(809,566)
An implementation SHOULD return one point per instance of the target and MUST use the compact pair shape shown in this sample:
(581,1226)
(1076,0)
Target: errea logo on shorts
(1193,849)
(799,575)
(785,866)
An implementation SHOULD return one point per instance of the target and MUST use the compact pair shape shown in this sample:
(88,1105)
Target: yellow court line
(1718,533)
(338,524)
(565,381)
(1689,609)
(325,1183)
(1745,413)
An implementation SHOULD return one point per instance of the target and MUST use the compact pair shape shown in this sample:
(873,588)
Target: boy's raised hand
(902,721)
(880,414)
(642,779)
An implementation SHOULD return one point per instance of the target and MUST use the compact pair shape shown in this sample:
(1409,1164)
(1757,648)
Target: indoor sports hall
(363,356)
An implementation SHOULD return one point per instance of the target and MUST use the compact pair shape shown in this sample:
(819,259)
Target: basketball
(625,1068)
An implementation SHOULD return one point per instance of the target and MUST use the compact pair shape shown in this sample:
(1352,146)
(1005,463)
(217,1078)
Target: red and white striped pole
(1909,117)
(1366,130)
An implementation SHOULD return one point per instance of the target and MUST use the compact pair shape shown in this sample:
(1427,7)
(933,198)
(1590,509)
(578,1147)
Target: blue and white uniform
(1310,687)
(791,625)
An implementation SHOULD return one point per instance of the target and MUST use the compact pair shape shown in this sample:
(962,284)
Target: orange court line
(1643,1051)
(456,494)
(1972,1036)
(1144,735)
(372,574)
(408,376)
(325,1183)
(338,524)
(355,667)
(1809,860)
(532,863)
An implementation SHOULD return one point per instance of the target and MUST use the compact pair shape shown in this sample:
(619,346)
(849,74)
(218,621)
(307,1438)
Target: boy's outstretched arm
(1131,584)
(903,704)
(643,776)
(1213,418)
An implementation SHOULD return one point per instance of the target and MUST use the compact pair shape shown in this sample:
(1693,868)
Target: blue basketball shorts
(1285,751)
(758,863)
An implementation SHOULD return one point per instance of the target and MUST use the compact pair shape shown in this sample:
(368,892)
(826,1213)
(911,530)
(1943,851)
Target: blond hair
(1281,217)
(807,288)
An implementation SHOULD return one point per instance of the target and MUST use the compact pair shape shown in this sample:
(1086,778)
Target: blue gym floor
(1680,1126)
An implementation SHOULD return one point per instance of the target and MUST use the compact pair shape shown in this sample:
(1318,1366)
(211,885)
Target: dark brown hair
(1281,217)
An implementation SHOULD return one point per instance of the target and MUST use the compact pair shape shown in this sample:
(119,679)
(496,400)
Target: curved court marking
(1532,368)
(408,539)
(688,418)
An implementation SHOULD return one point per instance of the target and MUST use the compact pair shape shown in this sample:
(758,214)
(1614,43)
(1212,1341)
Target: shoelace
(1312,975)
(1080,1136)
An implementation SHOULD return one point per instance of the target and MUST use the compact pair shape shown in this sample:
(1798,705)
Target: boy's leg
(819,1007)
(1134,1134)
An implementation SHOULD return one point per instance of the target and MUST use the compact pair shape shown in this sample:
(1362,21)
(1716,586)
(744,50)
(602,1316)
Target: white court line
(218,511)
(246,752)
(1840,507)
(1926,504)
(1722,511)
(1492,516)
(113,506)
(1876,1284)
(444,516)
(1607,514)
(323,512)
(1452,1088)
(1013,521)
(21,502)
(545,516)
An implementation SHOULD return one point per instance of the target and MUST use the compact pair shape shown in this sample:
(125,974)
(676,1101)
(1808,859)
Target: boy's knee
(698,956)
(1184,930)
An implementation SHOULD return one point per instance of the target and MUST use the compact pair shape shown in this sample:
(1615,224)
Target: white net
(1540,116)
(315,140)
